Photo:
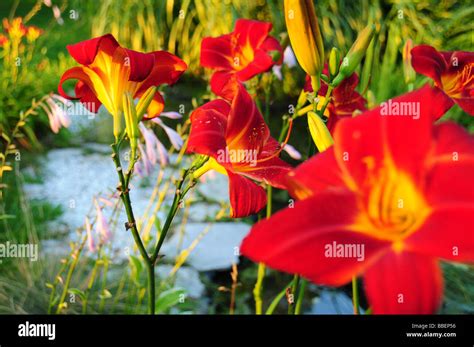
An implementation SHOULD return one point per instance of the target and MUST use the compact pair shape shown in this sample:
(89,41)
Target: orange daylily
(109,71)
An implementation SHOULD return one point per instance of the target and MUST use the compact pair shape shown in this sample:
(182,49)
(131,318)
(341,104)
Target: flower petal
(450,169)
(404,283)
(368,141)
(173,136)
(307,179)
(261,62)
(157,105)
(171,115)
(429,62)
(217,52)
(85,52)
(208,126)
(299,239)
(246,129)
(87,97)
(167,69)
(246,198)
(84,88)
(224,84)
(447,233)
(251,32)
(141,64)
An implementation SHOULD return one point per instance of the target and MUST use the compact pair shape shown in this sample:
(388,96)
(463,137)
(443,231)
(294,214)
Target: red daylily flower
(452,72)
(238,141)
(239,56)
(109,70)
(395,187)
(345,99)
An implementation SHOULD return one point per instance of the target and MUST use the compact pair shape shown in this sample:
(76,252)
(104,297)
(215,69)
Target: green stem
(273,305)
(257,291)
(76,257)
(125,196)
(104,283)
(91,282)
(178,196)
(294,288)
(327,99)
(355,295)
(151,284)
(299,300)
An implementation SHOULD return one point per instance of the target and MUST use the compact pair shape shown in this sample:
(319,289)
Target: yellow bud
(319,132)
(355,54)
(305,37)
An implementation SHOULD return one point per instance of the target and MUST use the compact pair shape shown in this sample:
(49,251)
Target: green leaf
(137,267)
(77,292)
(168,299)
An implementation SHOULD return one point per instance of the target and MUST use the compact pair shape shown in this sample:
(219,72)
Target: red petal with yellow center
(239,56)
(307,239)
(372,140)
(404,283)
(246,197)
(251,32)
(308,178)
(261,62)
(453,72)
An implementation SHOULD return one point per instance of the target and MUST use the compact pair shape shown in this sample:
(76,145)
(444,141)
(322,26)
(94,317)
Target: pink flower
(102,227)
(56,109)
(154,151)
(90,239)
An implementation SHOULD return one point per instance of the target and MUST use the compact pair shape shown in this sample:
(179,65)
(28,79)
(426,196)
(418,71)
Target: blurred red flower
(390,198)
(109,70)
(452,72)
(240,55)
(345,99)
(238,141)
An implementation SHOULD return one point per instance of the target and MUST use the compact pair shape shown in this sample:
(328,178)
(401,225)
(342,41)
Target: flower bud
(408,70)
(355,54)
(145,101)
(334,61)
(305,37)
(319,132)
(131,120)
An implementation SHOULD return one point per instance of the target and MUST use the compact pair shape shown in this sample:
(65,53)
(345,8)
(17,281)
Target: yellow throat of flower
(394,207)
